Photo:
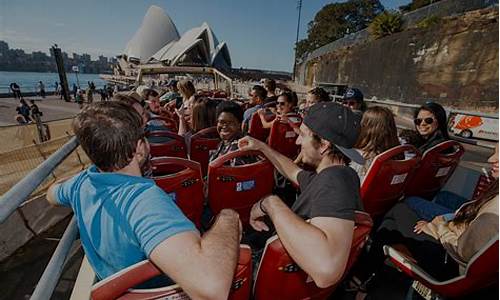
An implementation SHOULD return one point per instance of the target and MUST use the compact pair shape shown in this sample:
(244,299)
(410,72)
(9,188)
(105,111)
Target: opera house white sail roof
(157,40)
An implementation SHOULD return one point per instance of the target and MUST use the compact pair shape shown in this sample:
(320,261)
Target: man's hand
(249,143)
(419,227)
(258,212)
(261,112)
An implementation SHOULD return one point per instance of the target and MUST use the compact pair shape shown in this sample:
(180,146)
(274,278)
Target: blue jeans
(443,203)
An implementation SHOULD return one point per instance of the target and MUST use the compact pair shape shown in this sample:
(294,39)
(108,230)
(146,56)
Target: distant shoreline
(45,72)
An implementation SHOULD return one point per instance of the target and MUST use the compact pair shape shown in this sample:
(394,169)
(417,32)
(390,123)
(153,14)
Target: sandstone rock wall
(454,62)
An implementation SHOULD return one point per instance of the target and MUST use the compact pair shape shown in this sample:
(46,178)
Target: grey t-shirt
(334,192)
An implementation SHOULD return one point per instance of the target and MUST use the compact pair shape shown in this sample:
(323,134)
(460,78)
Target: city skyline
(39,61)
(255,31)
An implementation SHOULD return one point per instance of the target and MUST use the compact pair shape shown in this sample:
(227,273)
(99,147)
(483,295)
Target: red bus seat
(480,272)
(278,277)
(238,187)
(437,165)
(282,137)
(255,128)
(202,143)
(165,143)
(120,285)
(182,177)
(386,179)
(483,183)
(170,124)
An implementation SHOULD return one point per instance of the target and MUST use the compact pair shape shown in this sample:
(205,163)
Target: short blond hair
(186,88)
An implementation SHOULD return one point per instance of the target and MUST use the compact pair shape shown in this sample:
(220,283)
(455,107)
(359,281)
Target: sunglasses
(350,103)
(280,103)
(427,121)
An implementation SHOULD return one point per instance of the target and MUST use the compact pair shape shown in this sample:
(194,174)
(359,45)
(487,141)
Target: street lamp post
(76,70)
(299,7)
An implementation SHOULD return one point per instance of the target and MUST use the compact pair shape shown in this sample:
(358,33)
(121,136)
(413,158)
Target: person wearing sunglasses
(284,106)
(354,99)
(430,123)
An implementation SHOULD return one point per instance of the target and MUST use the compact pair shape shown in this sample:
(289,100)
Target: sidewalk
(52,107)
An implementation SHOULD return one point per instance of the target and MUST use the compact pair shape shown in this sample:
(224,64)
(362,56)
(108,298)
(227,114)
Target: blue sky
(260,33)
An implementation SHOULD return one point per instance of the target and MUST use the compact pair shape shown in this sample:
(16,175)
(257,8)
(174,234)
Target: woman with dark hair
(229,119)
(284,106)
(203,113)
(430,123)
(378,133)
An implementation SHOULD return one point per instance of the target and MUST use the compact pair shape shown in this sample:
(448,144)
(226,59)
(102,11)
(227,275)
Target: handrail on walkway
(20,192)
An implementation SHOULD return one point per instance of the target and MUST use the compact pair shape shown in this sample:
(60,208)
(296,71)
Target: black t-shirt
(334,192)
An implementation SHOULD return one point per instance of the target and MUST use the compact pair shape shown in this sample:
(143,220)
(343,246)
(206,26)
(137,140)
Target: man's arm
(204,267)
(321,248)
(283,164)
(51,196)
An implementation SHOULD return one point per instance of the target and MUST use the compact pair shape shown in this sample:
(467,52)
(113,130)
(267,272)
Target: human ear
(324,146)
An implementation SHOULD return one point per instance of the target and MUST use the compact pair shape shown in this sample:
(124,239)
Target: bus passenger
(329,198)
(258,96)
(430,122)
(270,86)
(378,134)
(354,99)
(439,246)
(229,118)
(124,218)
(284,106)
(316,95)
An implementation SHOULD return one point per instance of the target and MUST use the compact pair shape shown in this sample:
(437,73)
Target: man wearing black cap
(354,99)
(329,196)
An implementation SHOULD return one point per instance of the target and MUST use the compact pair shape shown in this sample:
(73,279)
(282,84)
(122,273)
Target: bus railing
(19,193)
(53,271)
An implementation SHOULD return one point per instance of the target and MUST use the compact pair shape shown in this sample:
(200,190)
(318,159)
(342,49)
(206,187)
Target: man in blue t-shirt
(124,218)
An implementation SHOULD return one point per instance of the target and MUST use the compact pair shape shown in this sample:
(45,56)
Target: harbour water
(28,81)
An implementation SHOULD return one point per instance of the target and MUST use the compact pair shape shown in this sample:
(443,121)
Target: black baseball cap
(337,124)
(353,93)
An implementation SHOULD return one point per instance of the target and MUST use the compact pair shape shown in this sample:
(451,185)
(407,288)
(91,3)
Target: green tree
(386,24)
(336,20)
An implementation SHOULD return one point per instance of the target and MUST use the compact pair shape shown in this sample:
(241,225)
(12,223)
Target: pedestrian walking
(16,90)
(41,89)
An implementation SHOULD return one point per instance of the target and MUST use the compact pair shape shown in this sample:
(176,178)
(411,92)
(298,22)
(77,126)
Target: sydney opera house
(158,41)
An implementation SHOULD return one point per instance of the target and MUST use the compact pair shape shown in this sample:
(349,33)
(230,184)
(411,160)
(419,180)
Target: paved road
(52,107)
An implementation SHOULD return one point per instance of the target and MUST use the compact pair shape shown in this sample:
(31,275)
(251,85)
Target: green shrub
(386,24)
(428,22)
